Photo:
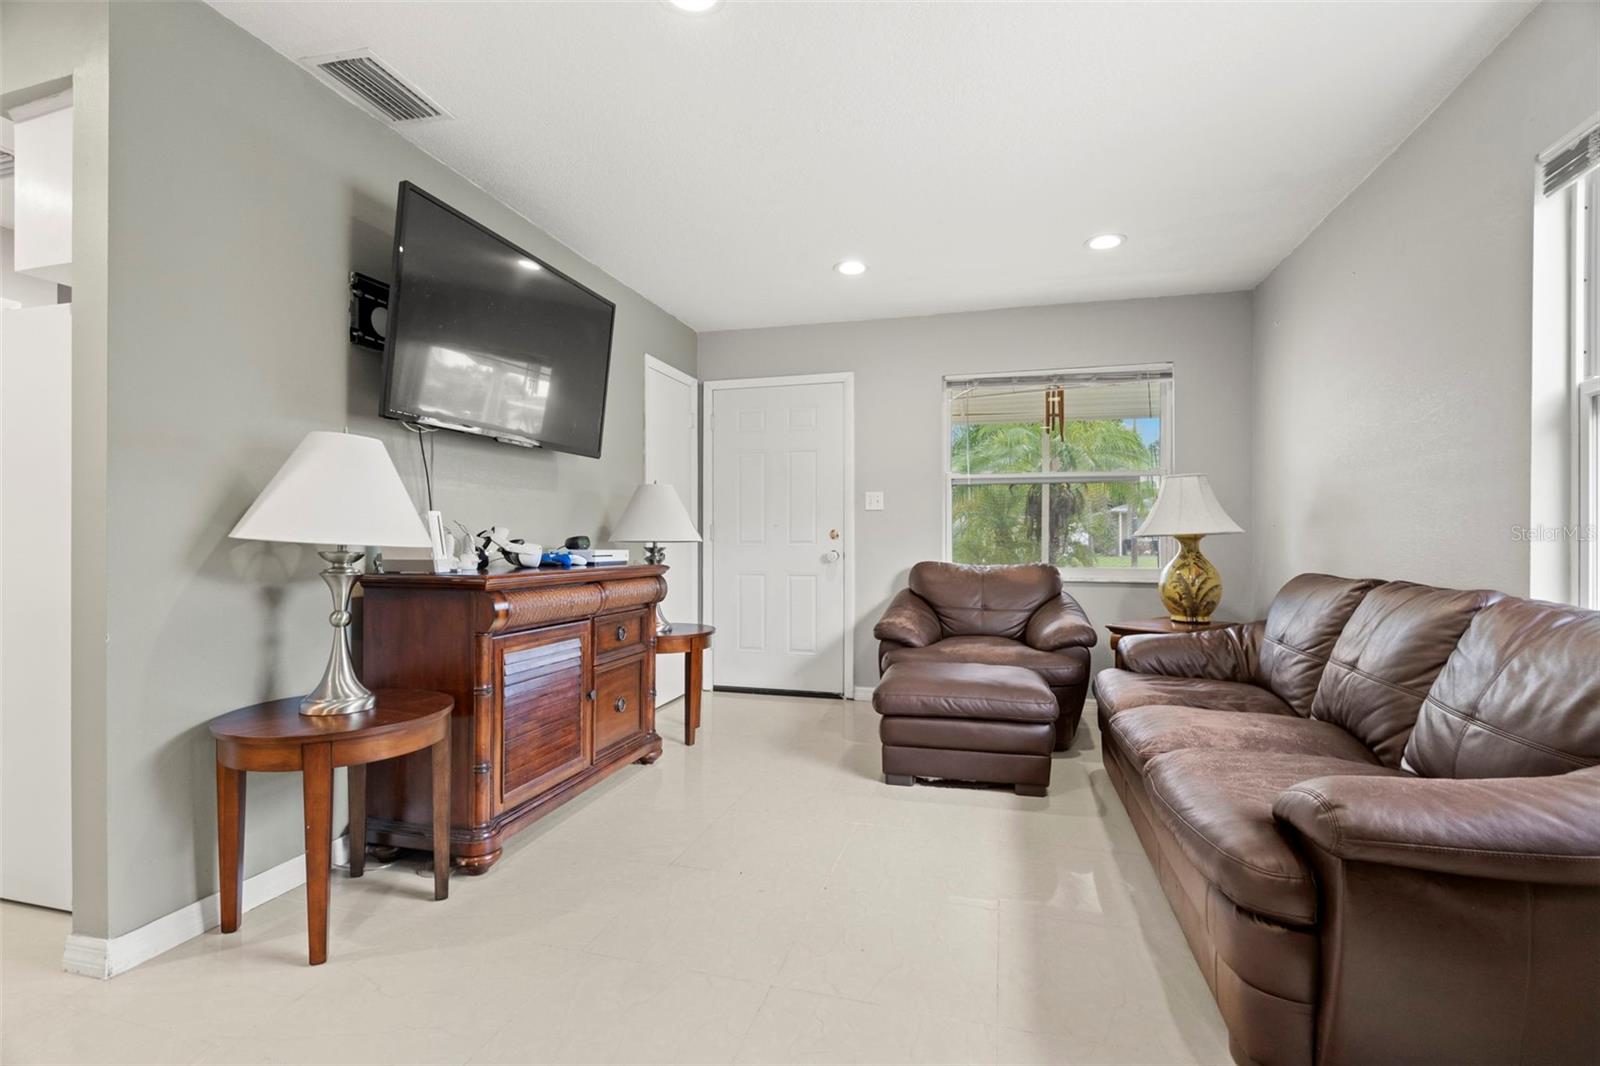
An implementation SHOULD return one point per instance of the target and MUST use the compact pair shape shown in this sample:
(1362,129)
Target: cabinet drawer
(619,703)
(616,632)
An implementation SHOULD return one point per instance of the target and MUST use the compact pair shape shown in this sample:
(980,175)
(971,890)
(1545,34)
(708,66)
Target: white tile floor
(760,897)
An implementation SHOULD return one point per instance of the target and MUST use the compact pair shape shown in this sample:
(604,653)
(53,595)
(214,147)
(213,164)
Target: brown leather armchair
(995,615)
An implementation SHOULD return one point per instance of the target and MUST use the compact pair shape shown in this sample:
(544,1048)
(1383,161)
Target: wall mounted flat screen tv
(485,338)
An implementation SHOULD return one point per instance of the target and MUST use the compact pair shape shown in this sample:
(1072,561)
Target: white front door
(778,524)
(672,457)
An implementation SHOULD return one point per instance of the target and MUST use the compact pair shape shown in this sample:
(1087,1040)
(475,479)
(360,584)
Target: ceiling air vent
(8,163)
(364,80)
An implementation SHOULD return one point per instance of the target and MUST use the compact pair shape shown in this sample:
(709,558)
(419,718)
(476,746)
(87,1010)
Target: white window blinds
(1562,166)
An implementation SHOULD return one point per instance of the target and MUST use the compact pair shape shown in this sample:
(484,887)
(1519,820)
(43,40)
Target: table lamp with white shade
(655,517)
(1187,509)
(343,490)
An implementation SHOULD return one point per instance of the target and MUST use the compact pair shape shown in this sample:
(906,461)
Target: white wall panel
(44,196)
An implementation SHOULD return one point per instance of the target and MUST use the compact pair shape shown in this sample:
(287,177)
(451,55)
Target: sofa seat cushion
(1117,690)
(1141,733)
(1218,806)
(965,691)
(1067,667)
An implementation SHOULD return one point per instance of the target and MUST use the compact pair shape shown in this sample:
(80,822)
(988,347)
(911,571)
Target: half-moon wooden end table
(276,737)
(691,640)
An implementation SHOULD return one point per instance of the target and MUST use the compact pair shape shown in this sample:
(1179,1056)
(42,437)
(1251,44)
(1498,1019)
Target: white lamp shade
(655,515)
(1186,506)
(335,488)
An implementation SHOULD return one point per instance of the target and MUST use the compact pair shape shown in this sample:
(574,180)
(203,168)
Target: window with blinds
(1058,467)
(1584,300)
(1575,157)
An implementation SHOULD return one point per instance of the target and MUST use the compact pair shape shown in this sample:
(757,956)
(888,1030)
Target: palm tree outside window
(1023,491)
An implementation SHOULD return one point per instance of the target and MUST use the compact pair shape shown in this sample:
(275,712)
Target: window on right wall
(1586,375)
(1566,471)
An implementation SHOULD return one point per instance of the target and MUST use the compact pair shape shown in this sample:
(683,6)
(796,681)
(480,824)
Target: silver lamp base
(656,555)
(340,691)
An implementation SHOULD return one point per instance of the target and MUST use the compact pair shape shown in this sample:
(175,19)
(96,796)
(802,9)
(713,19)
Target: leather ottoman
(966,722)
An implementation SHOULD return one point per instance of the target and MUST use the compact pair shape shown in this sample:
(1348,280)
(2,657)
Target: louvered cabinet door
(541,698)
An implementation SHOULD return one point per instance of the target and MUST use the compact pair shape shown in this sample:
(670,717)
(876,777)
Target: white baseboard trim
(862,692)
(102,957)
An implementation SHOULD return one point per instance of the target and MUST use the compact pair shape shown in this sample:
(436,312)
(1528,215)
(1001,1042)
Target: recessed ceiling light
(1105,242)
(528,264)
(851,267)
(694,7)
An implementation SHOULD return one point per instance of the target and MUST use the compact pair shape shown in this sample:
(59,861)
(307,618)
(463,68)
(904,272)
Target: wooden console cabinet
(553,674)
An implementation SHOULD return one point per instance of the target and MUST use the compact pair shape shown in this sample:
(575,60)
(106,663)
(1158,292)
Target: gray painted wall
(1393,347)
(899,364)
(243,191)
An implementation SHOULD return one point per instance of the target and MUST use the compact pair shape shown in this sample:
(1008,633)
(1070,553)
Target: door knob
(833,555)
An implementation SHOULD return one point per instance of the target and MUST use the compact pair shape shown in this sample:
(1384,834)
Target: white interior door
(36,620)
(672,457)
(778,535)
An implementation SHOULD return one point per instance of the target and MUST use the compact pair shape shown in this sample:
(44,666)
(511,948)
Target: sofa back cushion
(1519,696)
(985,601)
(1303,623)
(1387,658)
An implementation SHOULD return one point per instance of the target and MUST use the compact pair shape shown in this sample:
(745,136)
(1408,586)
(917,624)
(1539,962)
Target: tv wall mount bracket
(369,311)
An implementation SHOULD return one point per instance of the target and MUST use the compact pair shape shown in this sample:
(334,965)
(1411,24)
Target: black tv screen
(485,338)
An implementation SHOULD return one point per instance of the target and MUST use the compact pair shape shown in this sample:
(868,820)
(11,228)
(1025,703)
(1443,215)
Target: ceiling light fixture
(528,264)
(694,7)
(851,268)
(1105,242)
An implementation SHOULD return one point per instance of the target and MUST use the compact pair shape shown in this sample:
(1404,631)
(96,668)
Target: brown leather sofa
(994,615)
(1376,815)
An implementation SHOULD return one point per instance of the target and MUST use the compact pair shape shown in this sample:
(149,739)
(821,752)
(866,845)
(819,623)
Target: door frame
(683,377)
(707,504)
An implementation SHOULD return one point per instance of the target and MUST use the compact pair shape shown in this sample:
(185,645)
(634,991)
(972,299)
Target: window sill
(1108,577)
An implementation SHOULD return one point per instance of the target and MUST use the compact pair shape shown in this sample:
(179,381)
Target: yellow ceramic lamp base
(1191,588)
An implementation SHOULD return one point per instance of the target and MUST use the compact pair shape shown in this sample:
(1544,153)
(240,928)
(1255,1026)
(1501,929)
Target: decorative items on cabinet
(343,490)
(1187,509)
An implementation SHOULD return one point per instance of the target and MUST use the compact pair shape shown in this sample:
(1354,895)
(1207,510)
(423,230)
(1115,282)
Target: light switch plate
(874,501)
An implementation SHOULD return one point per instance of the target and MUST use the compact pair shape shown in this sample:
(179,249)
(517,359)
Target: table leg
(441,818)
(356,784)
(692,680)
(230,843)
(316,767)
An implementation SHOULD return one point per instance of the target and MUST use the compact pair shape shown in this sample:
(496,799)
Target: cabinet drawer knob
(622,632)
(590,695)
(621,704)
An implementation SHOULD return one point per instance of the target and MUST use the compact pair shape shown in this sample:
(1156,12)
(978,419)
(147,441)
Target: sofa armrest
(908,620)
(1541,830)
(1225,654)
(1061,623)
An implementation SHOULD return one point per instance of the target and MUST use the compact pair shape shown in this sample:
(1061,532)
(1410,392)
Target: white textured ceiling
(721,164)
